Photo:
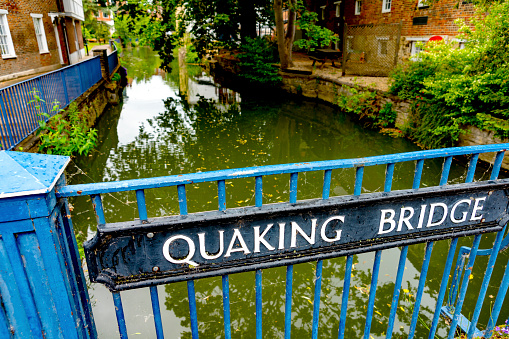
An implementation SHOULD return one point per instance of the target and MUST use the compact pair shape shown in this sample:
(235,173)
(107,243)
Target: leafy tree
(461,86)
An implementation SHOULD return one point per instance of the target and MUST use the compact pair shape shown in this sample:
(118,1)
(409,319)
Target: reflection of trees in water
(242,294)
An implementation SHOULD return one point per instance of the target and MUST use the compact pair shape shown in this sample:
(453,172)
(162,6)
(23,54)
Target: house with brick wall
(420,20)
(39,36)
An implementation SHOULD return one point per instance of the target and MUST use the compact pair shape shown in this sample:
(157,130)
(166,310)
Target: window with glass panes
(39,33)
(6,47)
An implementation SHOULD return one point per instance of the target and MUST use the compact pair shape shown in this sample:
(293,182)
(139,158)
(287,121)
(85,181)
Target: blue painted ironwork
(119,311)
(258,304)
(156,310)
(288,301)
(226,306)
(316,299)
(19,116)
(42,288)
(113,61)
(99,191)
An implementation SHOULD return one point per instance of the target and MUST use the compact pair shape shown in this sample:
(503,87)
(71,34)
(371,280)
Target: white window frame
(379,40)
(7,36)
(386,6)
(358,7)
(40,34)
(323,12)
(338,8)
(414,50)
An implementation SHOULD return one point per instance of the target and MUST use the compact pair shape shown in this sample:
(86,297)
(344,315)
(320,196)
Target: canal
(156,131)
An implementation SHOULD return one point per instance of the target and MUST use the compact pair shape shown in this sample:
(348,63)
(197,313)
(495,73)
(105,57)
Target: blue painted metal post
(42,294)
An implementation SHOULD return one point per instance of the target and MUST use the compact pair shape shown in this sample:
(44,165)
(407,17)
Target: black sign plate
(131,254)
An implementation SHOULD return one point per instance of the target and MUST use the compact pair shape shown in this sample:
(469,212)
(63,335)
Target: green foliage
(387,116)
(61,136)
(256,59)
(432,125)
(116,77)
(364,103)
(317,36)
(468,86)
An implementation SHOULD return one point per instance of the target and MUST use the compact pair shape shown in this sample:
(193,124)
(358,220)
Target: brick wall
(22,30)
(441,15)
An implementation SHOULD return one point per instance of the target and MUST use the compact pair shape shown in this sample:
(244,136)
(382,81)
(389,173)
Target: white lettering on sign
(437,215)
(301,234)
(190,253)
(238,244)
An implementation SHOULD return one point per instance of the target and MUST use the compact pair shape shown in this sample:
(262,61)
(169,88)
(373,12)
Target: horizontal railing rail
(96,190)
(19,112)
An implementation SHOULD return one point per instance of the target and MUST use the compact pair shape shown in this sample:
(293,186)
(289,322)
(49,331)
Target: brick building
(39,36)
(419,20)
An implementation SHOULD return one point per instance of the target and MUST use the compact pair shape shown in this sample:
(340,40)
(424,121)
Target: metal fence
(113,61)
(19,116)
(453,308)
(370,50)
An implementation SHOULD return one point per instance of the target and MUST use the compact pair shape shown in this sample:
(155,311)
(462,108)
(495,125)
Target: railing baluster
(119,311)
(288,301)
(464,286)
(344,300)
(98,208)
(259,191)
(221,194)
(181,191)
(418,173)
(142,206)
(316,299)
(397,290)
(8,126)
(499,300)
(471,167)
(327,176)
(389,174)
(293,187)
(259,306)
(402,259)
(496,165)
(359,173)
(154,297)
(420,289)
(372,293)
(485,283)
(226,306)
(443,287)
(445,170)
(191,295)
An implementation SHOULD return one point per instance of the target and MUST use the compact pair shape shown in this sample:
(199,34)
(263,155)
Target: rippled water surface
(157,132)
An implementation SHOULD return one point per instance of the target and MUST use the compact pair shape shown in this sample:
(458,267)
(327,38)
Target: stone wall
(328,90)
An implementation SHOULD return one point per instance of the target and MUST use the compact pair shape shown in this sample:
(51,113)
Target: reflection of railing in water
(61,232)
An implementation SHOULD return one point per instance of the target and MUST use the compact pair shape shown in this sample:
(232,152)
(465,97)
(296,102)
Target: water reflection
(160,131)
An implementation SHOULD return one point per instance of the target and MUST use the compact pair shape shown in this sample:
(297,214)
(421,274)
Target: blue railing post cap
(29,173)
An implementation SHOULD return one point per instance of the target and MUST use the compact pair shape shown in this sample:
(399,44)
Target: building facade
(39,36)
(420,19)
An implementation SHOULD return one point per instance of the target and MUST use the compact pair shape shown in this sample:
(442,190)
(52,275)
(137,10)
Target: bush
(256,58)
(461,86)
(61,136)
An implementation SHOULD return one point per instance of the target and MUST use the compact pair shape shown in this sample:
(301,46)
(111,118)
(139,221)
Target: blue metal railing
(113,59)
(180,181)
(19,116)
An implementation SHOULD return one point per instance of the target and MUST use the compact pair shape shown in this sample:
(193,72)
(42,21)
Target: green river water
(154,132)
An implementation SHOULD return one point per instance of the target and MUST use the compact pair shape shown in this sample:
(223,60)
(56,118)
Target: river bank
(326,84)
